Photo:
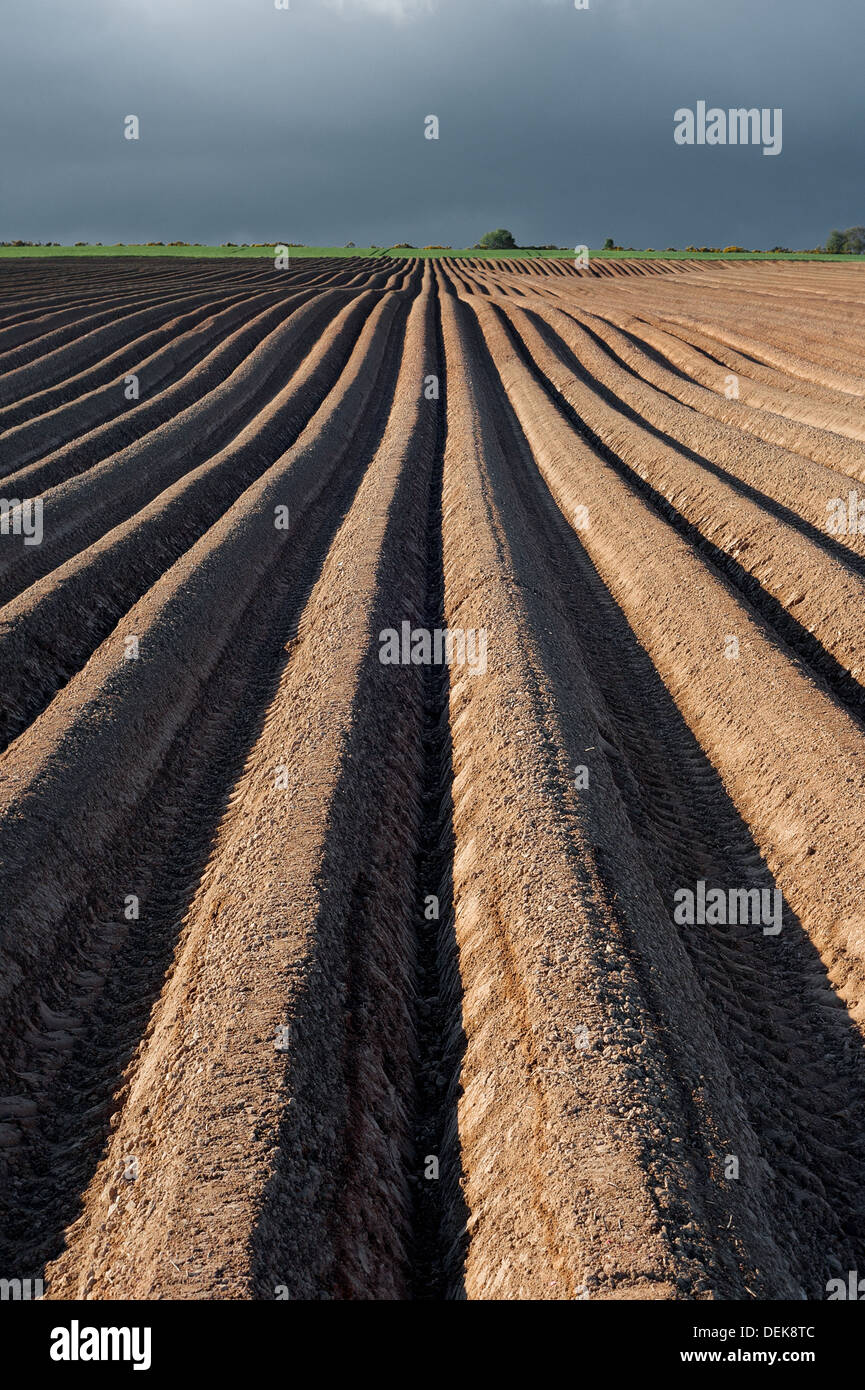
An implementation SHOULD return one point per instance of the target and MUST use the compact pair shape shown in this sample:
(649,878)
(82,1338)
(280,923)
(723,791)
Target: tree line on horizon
(849,242)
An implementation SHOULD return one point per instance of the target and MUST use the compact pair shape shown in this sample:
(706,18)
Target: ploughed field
(340,960)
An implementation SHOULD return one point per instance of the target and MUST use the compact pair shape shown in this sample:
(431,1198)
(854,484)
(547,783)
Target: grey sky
(308,125)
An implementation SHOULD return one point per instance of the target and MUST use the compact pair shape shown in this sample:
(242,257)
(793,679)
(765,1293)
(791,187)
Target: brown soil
(243,1057)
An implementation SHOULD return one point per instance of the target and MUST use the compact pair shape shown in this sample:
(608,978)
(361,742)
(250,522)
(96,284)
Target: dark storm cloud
(307,124)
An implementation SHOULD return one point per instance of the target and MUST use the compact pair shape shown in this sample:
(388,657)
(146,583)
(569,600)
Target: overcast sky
(258,124)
